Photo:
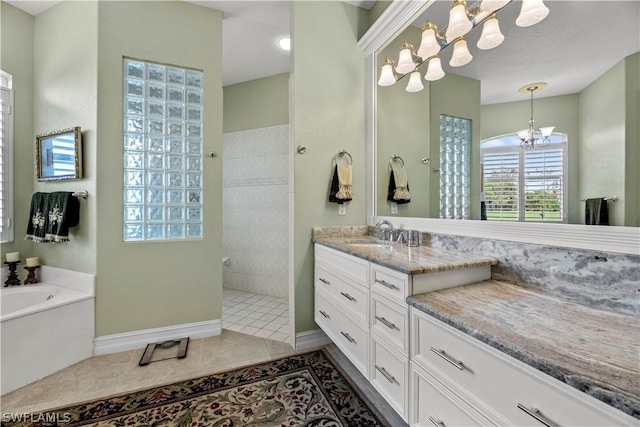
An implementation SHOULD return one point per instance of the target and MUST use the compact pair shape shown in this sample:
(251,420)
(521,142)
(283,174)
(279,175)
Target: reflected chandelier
(461,21)
(530,137)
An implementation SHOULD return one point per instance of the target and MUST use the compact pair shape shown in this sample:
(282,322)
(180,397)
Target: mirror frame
(394,20)
(41,142)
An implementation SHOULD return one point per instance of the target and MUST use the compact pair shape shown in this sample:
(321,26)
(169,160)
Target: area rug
(302,390)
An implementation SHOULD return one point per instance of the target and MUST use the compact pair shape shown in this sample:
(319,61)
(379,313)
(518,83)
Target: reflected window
(6,158)
(163,131)
(455,167)
(524,185)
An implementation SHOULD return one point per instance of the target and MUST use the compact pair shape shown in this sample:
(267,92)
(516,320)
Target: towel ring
(393,159)
(342,153)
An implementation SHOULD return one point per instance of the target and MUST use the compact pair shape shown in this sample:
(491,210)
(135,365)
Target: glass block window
(6,158)
(525,185)
(162,152)
(455,167)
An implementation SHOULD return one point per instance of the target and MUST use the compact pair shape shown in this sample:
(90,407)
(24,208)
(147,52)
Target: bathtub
(45,327)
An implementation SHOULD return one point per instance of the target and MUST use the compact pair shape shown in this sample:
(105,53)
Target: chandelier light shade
(531,13)
(434,72)
(387,75)
(530,138)
(461,55)
(405,60)
(491,36)
(459,23)
(415,82)
(429,45)
(490,6)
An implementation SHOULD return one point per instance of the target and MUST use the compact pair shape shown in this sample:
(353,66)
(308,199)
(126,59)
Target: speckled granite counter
(595,351)
(397,256)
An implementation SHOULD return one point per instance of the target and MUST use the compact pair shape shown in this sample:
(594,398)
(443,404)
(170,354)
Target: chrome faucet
(388,233)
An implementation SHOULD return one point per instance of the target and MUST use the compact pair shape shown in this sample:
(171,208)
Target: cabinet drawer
(351,297)
(435,405)
(343,264)
(504,383)
(390,321)
(392,284)
(350,337)
(389,374)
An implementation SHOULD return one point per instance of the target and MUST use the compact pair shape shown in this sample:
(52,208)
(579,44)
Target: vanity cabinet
(485,386)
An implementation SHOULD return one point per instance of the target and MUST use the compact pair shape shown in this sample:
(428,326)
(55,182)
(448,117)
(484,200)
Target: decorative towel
(335,188)
(37,214)
(51,216)
(398,186)
(344,177)
(596,212)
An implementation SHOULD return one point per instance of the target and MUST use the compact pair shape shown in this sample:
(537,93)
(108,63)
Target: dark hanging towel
(392,190)
(37,213)
(335,187)
(596,212)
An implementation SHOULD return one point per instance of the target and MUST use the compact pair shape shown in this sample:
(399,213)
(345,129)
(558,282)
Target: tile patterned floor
(261,316)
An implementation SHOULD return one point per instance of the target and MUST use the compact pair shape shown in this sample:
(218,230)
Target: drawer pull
(437,423)
(347,296)
(386,323)
(458,364)
(325,281)
(387,284)
(387,375)
(348,337)
(535,413)
(325,314)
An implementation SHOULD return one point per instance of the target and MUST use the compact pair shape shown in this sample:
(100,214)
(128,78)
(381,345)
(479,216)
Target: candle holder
(12,280)
(31,275)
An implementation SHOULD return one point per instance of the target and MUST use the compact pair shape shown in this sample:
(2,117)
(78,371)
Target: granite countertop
(593,350)
(400,257)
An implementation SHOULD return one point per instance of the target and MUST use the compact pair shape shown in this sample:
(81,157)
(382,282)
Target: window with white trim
(525,185)
(162,151)
(6,158)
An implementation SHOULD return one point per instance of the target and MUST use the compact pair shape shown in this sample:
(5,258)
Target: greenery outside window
(163,131)
(6,158)
(525,185)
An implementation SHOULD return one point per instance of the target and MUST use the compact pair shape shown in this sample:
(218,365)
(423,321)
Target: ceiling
(574,45)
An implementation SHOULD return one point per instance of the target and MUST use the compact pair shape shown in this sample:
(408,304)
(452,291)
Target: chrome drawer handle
(325,314)
(458,364)
(347,296)
(348,337)
(325,281)
(535,413)
(386,323)
(437,423)
(387,284)
(387,375)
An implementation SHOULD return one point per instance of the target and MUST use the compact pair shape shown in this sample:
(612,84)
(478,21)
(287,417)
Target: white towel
(344,177)
(401,191)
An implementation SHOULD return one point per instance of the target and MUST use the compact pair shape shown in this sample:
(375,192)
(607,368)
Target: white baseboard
(115,343)
(315,338)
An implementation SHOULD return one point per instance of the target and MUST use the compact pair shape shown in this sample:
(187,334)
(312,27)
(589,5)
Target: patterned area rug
(301,390)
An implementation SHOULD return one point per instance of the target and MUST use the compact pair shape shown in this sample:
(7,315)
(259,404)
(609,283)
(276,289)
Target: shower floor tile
(262,316)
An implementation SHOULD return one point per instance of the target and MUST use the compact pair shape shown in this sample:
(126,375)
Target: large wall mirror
(596,114)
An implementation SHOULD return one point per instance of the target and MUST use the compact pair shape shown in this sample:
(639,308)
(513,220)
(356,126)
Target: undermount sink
(370,245)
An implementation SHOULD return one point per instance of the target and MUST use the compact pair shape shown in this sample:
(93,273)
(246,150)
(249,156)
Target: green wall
(632,136)
(142,285)
(402,128)
(16,58)
(256,103)
(65,95)
(328,99)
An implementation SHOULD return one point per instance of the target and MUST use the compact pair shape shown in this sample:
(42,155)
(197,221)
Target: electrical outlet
(342,209)
(394,208)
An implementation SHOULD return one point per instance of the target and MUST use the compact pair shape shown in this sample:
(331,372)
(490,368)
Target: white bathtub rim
(64,296)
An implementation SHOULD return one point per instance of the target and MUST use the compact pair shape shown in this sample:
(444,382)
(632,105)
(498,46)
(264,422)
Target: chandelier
(530,137)
(461,21)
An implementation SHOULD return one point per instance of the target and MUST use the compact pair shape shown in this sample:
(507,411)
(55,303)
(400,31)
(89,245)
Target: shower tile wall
(255,210)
